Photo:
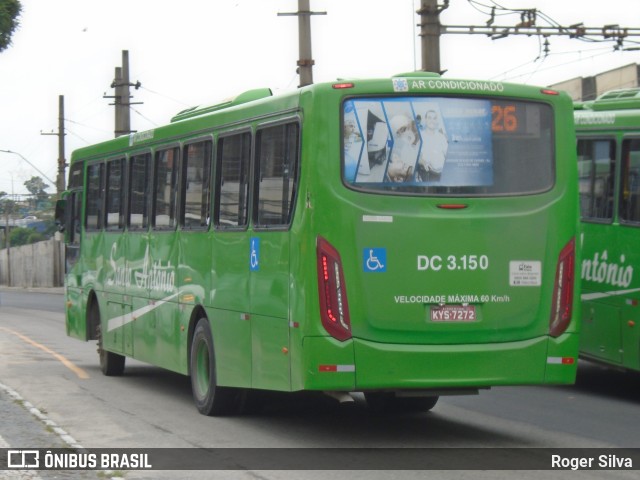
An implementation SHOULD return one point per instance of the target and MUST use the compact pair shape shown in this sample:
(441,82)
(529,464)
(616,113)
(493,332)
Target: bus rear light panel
(562,303)
(334,309)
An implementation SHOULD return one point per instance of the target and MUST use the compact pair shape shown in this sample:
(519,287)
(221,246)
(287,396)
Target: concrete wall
(37,265)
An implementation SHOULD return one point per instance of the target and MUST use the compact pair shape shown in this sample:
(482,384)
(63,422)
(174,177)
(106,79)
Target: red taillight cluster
(334,310)
(562,303)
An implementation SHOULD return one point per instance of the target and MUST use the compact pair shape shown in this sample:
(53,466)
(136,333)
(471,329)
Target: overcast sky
(195,52)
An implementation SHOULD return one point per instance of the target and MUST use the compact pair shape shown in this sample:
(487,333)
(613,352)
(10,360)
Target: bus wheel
(111,364)
(387,402)
(210,399)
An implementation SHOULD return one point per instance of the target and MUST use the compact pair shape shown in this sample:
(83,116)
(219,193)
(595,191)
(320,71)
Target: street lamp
(32,165)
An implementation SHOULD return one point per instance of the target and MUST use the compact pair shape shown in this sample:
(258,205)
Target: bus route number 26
(452,262)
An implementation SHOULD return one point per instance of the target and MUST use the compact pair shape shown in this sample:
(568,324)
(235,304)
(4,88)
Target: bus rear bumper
(360,365)
(535,361)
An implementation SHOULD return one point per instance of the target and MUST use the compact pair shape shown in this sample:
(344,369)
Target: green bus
(608,131)
(406,237)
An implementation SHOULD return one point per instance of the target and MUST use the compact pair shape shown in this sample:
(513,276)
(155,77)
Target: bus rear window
(447,146)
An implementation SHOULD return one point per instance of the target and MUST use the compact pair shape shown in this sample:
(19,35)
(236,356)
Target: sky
(196,52)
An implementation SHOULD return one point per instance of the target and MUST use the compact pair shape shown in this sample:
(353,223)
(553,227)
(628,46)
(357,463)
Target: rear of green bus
(443,217)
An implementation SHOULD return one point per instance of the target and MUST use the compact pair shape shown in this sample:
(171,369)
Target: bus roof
(614,109)
(621,99)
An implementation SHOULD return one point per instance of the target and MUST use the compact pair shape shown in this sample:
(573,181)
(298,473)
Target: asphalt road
(152,408)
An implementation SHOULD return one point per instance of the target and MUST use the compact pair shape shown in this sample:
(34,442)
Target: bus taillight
(562,304)
(334,310)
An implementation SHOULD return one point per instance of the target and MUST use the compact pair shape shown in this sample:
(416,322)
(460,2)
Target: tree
(37,187)
(9,12)
(6,204)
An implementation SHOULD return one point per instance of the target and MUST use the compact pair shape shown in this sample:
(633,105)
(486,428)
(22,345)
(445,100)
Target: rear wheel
(388,402)
(210,399)
(111,364)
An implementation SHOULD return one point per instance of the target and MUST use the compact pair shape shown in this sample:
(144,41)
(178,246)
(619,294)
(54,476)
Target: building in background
(589,88)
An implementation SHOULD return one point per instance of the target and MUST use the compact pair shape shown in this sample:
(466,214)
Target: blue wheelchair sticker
(254,256)
(374,259)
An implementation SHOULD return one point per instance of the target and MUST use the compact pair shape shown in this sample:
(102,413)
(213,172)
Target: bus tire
(111,364)
(387,402)
(210,399)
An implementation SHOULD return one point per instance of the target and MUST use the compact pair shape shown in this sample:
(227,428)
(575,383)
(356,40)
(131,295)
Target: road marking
(66,362)
(64,436)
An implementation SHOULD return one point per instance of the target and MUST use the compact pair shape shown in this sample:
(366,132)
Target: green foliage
(25,236)
(9,12)
(6,205)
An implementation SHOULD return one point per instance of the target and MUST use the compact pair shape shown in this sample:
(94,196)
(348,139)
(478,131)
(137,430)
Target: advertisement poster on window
(420,141)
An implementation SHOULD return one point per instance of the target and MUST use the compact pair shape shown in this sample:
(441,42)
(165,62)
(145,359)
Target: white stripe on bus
(122,320)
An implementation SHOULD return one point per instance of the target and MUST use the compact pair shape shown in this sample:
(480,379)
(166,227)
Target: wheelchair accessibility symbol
(254,256)
(374,259)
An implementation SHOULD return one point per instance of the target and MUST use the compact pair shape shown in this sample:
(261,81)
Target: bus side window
(277,153)
(596,170)
(139,187)
(232,180)
(195,185)
(73,226)
(630,185)
(94,205)
(166,183)
(115,195)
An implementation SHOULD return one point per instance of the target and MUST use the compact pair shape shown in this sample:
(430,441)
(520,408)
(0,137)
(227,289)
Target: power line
(431,29)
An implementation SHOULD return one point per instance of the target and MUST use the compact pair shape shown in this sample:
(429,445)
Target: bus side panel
(270,353)
(269,293)
(628,237)
(232,345)
(194,277)
(138,290)
(161,277)
(611,331)
(228,312)
(76,320)
(92,265)
(631,335)
(601,331)
(116,328)
(113,338)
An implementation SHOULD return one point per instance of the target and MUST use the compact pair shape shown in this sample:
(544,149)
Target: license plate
(453,313)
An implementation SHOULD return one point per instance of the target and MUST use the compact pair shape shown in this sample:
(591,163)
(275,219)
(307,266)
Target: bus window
(195,185)
(139,191)
(166,182)
(447,146)
(596,170)
(277,154)
(75,175)
(94,208)
(73,222)
(630,191)
(115,195)
(234,153)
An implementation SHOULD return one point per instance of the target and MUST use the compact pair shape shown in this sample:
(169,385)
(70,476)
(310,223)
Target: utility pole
(430,28)
(122,97)
(305,62)
(62,163)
